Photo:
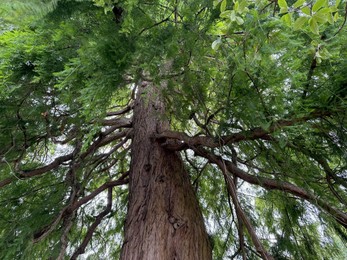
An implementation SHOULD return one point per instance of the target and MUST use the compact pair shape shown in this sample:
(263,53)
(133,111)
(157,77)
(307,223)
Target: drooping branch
(239,211)
(81,249)
(329,173)
(156,24)
(343,23)
(272,184)
(43,233)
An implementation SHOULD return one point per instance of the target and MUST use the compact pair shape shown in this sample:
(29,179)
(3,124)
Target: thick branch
(122,111)
(252,134)
(118,122)
(271,184)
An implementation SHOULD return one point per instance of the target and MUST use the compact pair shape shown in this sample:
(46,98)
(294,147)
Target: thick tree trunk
(164,220)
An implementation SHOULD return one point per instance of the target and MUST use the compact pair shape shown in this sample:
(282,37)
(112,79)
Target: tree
(204,129)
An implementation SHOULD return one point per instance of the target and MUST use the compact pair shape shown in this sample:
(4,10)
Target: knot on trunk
(177,222)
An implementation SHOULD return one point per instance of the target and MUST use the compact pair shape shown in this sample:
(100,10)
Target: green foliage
(236,66)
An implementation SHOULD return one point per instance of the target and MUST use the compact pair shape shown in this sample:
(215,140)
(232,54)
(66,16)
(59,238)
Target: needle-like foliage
(256,99)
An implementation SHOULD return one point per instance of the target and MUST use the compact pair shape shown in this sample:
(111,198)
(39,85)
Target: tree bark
(164,220)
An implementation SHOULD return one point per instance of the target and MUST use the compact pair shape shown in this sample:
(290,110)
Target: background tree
(164,117)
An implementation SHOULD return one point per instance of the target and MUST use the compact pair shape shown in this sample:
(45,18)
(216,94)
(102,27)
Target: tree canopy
(255,96)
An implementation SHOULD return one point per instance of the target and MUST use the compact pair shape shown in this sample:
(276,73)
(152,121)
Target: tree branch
(104,138)
(239,211)
(118,122)
(81,249)
(122,111)
(252,134)
(343,23)
(120,181)
(31,173)
(72,206)
(156,24)
(272,184)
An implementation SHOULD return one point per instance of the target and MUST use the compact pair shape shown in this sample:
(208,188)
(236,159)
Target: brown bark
(164,220)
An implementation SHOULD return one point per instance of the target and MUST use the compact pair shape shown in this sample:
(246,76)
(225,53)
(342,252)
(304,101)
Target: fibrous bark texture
(164,220)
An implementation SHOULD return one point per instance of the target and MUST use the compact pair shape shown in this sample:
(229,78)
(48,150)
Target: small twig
(156,24)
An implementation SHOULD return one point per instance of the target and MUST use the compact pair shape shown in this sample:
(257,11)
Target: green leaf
(320,17)
(239,20)
(223,5)
(236,6)
(216,2)
(306,10)
(330,18)
(336,16)
(226,14)
(298,3)
(243,6)
(287,19)
(284,10)
(282,4)
(233,16)
(216,44)
(325,10)
(313,25)
(298,24)
(319,4)
(325,54)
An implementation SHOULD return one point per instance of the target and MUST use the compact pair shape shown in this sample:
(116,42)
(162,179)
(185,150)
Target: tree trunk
(164,220)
